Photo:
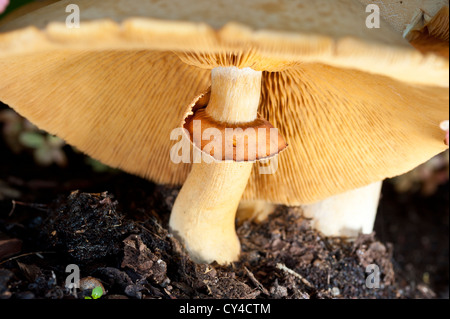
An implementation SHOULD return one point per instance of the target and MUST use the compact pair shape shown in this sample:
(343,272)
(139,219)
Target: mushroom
(348,101)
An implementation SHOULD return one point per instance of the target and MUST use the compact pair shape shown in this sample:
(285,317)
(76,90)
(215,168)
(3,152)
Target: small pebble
(335,291)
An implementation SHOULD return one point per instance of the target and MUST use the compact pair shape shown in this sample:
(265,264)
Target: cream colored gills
(204,212)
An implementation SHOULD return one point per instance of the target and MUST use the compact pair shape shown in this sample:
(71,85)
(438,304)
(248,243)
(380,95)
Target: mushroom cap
(355,105)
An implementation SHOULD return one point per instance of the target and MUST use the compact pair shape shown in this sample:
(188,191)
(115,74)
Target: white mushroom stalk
(347,214)
(204,212)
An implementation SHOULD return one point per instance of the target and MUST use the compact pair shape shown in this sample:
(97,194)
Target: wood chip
(295,274)
(256,282)
(10,247)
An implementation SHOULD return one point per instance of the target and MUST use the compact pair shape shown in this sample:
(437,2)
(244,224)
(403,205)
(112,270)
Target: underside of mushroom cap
(345,129)
(354,105)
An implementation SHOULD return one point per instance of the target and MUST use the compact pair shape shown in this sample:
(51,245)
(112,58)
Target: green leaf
(97,292)
(32,139)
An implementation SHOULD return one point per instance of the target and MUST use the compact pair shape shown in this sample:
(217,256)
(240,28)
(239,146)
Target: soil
(114,227)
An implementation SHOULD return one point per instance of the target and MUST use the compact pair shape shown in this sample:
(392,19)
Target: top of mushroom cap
(355,105)
(265,35)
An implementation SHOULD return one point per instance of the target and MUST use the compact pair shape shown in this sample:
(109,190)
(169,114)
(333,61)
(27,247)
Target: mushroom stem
(203,215)
(346,214)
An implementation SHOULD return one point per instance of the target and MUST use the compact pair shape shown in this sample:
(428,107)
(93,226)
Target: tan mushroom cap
(355,105)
